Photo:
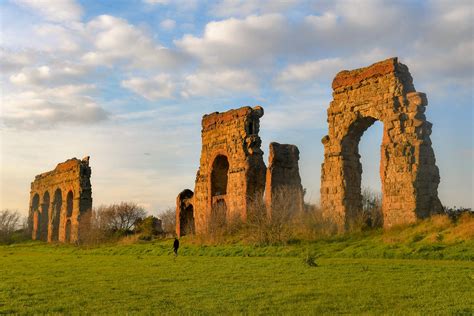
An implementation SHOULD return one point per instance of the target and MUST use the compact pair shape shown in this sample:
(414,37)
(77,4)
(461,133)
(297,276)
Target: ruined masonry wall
(283,187)
(49,206)
(409,176)
(233,134)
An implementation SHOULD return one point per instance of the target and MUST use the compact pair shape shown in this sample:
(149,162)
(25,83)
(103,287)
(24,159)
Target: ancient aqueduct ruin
(60,201)
(232,176)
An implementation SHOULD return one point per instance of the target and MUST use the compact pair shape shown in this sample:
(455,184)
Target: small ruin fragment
(60,200)
(283,183)
(383,91)
(230,181)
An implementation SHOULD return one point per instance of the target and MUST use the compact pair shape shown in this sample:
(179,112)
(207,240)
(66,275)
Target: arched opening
(56,214)
(68,231)
(358,206)
(371,186)
(44,218)
(36,217)
(219,175)
(69,204)
(187,220)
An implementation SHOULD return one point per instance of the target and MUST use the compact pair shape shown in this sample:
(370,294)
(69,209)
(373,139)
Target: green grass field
(410,271)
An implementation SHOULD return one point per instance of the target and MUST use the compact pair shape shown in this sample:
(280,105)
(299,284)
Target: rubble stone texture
(283,182)
(231,174)
(185,213)
(60,200)
(383,91)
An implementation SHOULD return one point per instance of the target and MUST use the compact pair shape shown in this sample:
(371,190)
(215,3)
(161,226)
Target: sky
(127,83)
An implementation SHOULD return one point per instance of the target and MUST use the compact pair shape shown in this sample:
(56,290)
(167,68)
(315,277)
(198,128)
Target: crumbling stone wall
(283,182)
(231,174)
(185,213)
(383,91)
(60,200)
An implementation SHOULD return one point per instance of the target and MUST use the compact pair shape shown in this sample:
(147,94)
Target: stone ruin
(231,178)
(381,92)
(283,183)
(232,174)
(60,200)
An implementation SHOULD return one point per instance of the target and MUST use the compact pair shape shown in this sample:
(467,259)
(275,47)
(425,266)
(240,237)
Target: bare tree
(168,218)
(119,217)
(372,208)
(9,223)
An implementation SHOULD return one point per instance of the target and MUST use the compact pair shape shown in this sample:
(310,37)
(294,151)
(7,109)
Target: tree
(149,226)
(168,218)
(119,217)
(372,207)
(9,223)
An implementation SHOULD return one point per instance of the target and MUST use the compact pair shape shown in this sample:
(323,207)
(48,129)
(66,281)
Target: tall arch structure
(61,215)
(231,173)
(385,92)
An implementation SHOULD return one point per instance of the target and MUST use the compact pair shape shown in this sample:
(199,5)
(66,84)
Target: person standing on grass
(176,246)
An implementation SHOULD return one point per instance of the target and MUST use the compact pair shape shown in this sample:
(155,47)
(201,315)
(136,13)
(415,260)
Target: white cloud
(310,70)
(56,37)
(46,75)
(48,107)
(221,82)
(317,73)
(327,21)
(369,13)
(168,24)
(54,10)
(158,87)
(202,83)
(237,41)
(13,61)
(116,41)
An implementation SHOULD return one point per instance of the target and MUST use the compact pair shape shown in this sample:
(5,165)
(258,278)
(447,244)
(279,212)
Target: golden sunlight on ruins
(233,181)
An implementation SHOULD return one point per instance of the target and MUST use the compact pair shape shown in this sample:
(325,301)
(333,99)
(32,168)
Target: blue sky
(127,83)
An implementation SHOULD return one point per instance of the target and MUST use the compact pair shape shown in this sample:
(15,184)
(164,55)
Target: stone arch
(35,203)
(352,167)
(409,176)
(219,175)
(73,175)
(69,203)
(185,213)
(233,134)
(219,189)
(56,214)
(44,217)
(187,223)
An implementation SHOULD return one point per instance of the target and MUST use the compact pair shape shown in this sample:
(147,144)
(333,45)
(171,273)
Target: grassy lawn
(145,278)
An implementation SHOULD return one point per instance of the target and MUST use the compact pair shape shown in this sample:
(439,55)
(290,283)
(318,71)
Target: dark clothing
(176,246)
